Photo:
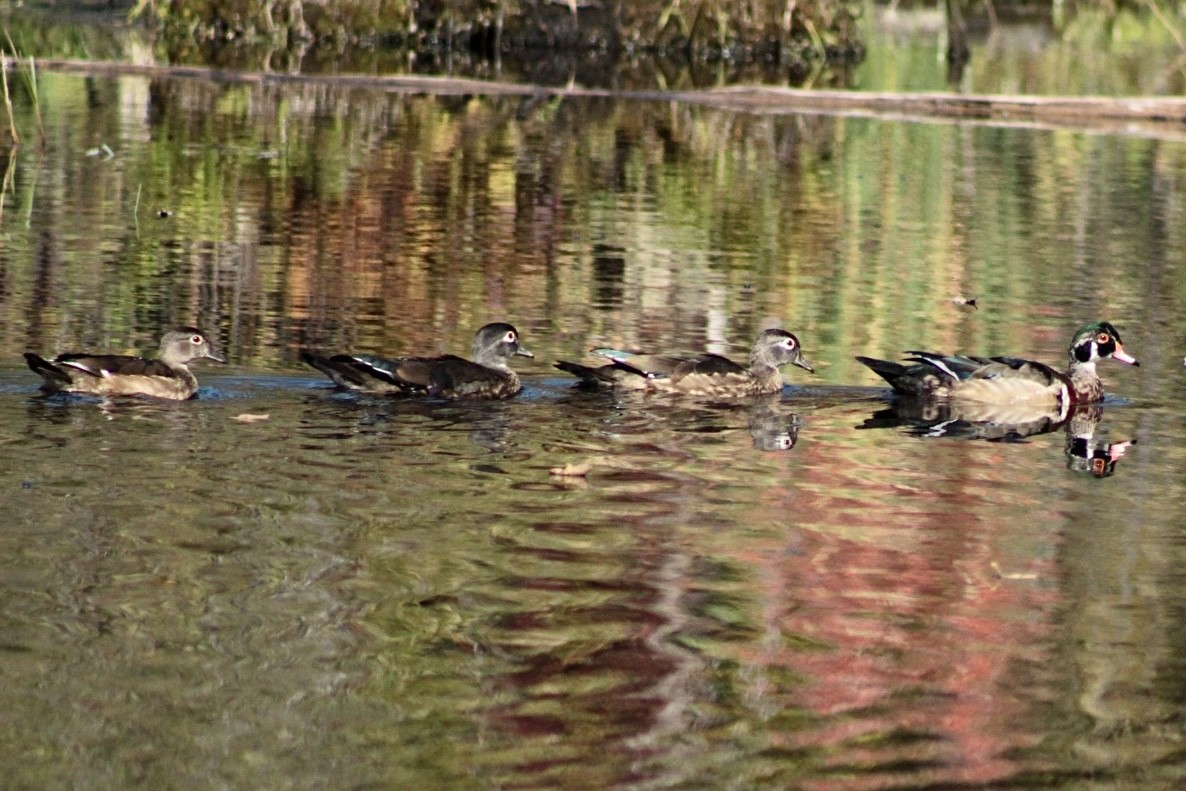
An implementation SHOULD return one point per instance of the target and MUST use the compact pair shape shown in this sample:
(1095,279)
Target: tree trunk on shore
(957,34)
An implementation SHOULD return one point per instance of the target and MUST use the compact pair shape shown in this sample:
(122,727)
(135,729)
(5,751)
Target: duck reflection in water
(1087,453)
(923,417)
(352,415)
(1010,423)
(770,428)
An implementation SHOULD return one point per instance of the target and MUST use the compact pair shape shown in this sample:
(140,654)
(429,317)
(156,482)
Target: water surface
(797,592)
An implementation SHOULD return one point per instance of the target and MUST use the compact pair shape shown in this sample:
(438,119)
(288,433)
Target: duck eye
(1103,337)
(196,339)
(510,337)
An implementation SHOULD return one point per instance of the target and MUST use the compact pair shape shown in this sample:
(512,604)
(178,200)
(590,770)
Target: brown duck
(116,374)
(705,375)
(487,375)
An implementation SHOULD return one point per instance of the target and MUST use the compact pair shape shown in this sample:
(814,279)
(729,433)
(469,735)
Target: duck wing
(427,374)
(455,377)
(356,371)
(954,367)
(648,365)
(1015,367)
(113,365)
(707,365)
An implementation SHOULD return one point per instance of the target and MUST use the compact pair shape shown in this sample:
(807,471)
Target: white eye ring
(510,338)
(196,339)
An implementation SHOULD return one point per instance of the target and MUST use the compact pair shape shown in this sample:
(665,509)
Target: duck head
(186,344)
(498,340)
(1099,341)
(778,347)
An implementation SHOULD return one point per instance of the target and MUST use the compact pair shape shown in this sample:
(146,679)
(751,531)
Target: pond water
(800,592)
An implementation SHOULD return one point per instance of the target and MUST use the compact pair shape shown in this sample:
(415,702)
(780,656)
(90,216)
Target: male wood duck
(116,374)
(448,376)
(705,375)
(1009,379)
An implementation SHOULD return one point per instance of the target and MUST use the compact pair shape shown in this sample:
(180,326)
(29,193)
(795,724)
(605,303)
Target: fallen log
(1163,117)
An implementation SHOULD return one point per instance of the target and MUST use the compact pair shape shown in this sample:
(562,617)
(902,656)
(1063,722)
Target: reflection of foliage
(375,221)
(1123,30)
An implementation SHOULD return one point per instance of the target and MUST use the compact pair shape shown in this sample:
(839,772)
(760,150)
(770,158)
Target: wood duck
(998,380)
(115,374)
(705,375)
(486,376)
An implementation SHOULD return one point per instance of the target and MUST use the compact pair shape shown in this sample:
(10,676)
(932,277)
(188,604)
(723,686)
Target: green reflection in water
(395,593)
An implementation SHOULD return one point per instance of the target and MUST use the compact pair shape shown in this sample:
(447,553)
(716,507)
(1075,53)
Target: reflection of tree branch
(31,83)
(9,172)
(16,138)
(32,187)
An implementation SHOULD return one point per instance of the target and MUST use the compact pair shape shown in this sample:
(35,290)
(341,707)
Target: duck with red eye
(1009,380)
(118,375)
(486,376)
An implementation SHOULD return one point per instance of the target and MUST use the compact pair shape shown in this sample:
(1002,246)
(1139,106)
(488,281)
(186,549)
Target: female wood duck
(706,375)
(448,376)
(1009,379)
(115,374)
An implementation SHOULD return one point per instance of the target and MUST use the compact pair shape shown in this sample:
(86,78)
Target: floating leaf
(248,417)
(578,470)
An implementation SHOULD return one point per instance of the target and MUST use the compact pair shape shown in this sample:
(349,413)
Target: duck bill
(215,356)
(802,363)
(523,353)
(1124,356)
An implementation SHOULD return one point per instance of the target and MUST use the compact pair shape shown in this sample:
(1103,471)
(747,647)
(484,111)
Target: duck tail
(888,370)
(587,374)
(52,374)
(337,368)
(929,375)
